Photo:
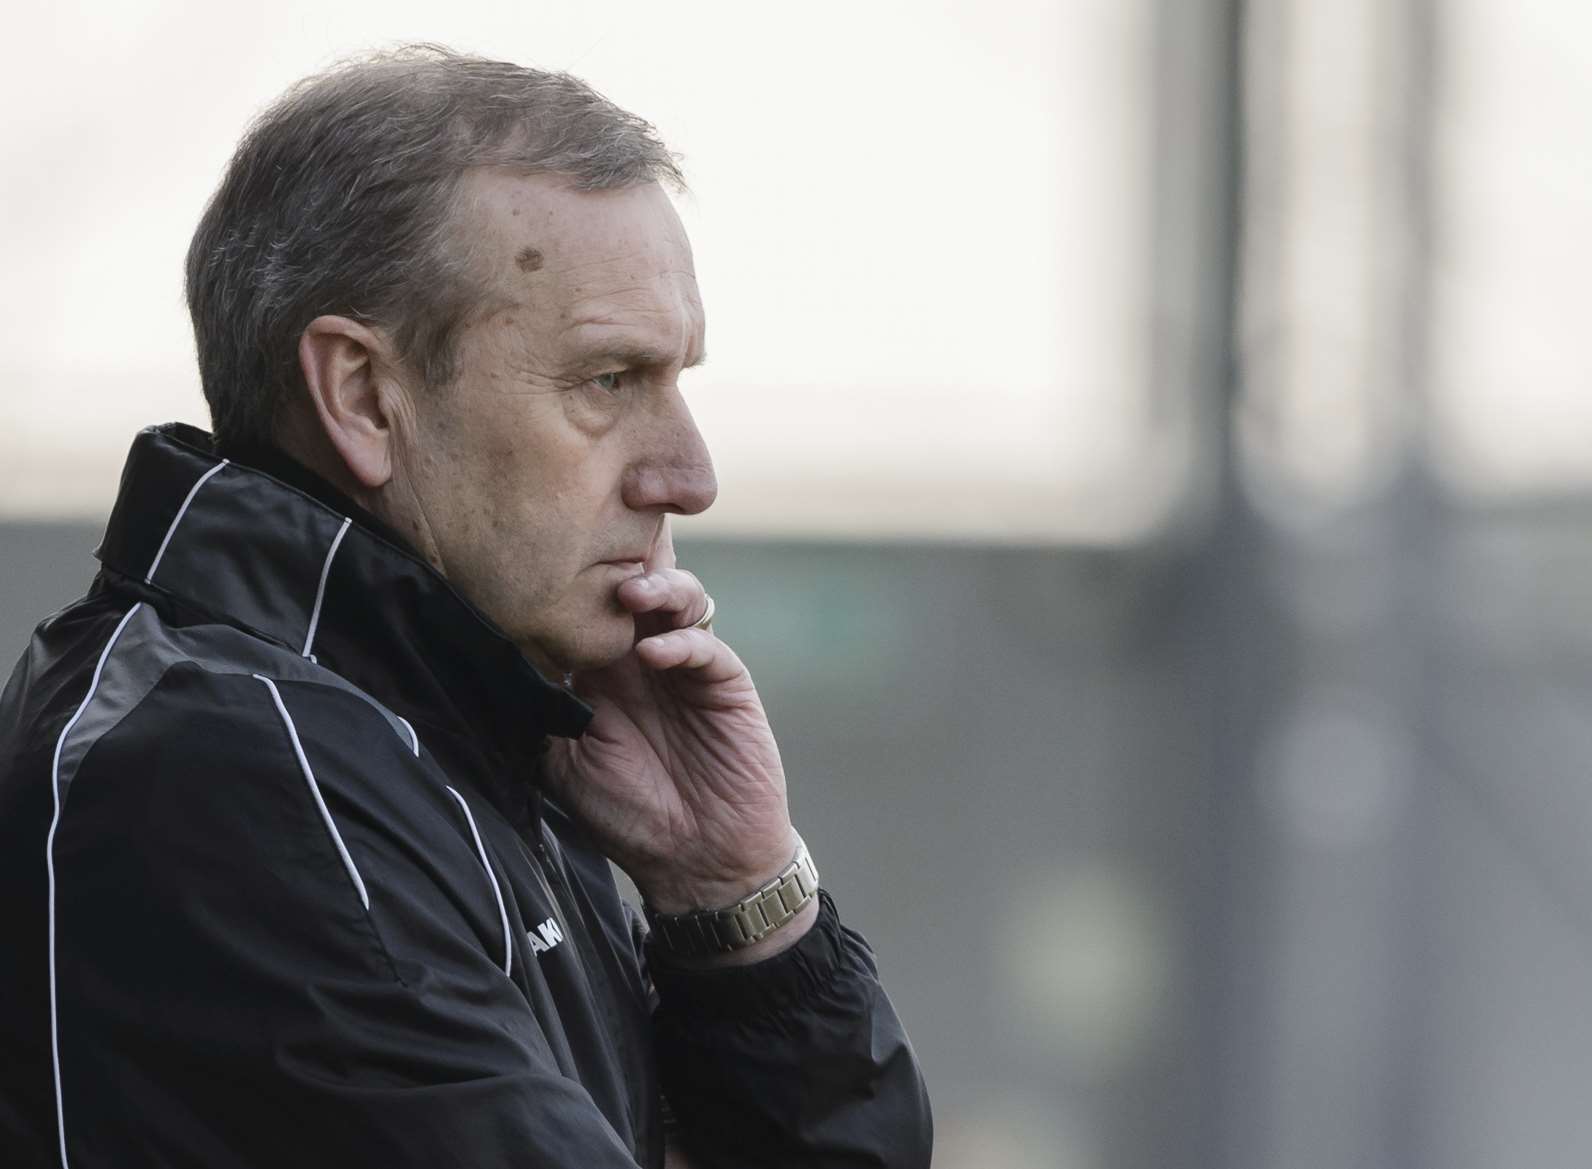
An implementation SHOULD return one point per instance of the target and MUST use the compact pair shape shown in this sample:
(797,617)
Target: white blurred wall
(921,231)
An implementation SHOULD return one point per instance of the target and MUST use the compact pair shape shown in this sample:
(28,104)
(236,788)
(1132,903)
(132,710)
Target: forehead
(584,267)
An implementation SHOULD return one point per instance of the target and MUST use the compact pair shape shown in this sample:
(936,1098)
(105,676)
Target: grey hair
(342,196)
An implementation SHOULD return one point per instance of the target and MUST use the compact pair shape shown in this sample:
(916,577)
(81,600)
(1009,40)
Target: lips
(635,559)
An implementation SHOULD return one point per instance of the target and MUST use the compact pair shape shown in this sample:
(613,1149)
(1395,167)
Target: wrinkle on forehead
(658,312)
(645,261)
(660,336)
(565,261)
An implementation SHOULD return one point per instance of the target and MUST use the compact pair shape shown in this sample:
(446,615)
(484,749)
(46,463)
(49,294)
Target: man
(306,809)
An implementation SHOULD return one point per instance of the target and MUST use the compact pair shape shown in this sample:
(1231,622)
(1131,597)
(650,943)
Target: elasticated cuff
(773,984)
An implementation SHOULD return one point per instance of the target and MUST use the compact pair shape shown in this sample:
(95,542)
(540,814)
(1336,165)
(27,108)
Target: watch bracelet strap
(749,920)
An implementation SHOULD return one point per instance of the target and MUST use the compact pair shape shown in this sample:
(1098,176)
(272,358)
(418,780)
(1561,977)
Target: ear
(345,367)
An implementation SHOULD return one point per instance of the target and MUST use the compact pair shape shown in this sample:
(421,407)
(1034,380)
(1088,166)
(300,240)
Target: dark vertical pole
(1226,646)
(1243,644)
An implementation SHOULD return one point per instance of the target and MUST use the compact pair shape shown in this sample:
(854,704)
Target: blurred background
(1154,503)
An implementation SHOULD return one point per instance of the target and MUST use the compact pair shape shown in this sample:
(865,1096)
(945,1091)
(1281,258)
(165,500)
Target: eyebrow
(639,355)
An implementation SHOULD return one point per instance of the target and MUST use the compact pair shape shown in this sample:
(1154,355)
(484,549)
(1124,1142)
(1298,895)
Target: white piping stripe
(414,739)
(49,860)
(181,511)
(503,913)
(315,790)
(320,589)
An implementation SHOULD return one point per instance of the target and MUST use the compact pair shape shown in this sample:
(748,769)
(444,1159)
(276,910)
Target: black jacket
(281,890)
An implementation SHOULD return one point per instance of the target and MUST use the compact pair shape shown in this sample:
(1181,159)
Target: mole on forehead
(529,259)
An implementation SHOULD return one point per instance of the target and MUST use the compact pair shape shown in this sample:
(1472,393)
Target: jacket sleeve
(796,1061)
(227,997)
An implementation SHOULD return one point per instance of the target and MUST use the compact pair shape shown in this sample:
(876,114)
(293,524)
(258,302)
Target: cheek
(533,496)
(534,521)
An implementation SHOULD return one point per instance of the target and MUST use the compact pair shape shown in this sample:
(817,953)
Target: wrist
(773,944)
(758,923)
(680,890)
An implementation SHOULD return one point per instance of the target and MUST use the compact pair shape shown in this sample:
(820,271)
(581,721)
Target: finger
(673,591)
(696,650)
(661,555)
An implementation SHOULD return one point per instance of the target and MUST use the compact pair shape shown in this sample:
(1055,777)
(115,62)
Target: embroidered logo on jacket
(545,936)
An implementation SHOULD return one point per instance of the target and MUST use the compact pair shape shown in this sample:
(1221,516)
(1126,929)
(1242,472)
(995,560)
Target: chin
(597,645)
(596,659)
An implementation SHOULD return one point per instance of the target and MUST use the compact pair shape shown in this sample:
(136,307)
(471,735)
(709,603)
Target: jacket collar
(261,543)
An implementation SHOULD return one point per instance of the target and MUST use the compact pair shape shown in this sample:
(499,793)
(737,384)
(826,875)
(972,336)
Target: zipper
(541,865)
(599,981)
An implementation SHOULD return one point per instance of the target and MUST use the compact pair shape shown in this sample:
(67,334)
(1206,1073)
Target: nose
(674,472)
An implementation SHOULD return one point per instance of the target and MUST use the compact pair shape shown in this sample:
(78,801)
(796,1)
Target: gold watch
(749,920)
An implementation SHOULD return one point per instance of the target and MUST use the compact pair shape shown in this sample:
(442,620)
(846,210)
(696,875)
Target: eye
(608,382)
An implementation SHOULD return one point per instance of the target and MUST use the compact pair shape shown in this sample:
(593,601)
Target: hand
(678,776)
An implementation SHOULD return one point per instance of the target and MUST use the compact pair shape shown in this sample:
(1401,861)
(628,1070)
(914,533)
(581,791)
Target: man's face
(544,472)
